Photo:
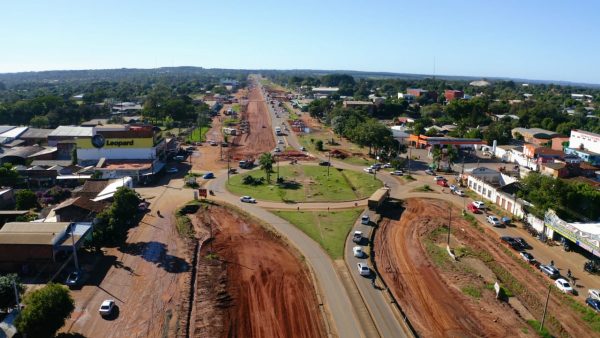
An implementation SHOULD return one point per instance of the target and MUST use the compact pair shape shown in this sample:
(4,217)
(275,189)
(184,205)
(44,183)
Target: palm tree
(266,161)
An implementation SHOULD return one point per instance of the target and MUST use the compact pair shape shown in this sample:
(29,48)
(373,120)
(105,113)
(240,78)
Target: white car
(247,199)
(479,204)
(563,285)
(358,251)
(276,150)
(459,192)
(493,220)
(357,237)
(397,173)
(363,269)
(107,307)
(594,293)
(368,170)
(387,165)
(280,141)
(438,178)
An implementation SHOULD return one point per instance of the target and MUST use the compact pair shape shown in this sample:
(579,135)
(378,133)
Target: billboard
(99,142)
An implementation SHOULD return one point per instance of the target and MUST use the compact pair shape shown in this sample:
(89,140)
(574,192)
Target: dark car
(73,278)
(507,239)
(593,303)
(522,242)
(325,163)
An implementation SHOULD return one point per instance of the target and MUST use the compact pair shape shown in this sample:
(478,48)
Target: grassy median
(307,184)
(328,228)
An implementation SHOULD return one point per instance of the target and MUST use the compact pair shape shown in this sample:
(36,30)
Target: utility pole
(545,308)
(228,167)
(14,283)
(328,163)
(277,159)
(449,221)
(409,158)
(74,248)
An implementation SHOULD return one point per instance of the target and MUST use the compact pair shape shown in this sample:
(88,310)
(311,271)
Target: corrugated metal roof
(14,132)
(72,131)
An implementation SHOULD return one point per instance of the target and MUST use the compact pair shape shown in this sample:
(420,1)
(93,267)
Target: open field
(307,184)
(250,283)
(328,228)
(442,297)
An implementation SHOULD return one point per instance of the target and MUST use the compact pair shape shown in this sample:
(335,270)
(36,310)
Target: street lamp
(449,221)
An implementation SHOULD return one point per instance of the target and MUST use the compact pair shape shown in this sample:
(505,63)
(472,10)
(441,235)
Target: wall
(589,141)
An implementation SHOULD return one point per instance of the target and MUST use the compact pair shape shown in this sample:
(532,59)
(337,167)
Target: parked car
(387,165)
(376,166)
(357,237)
(522,242)
(452,187)
(363,269)
(563,285)
(397,173)
(172,170)
(369,170)
(213,143)
(247,199)
(358,251)
(593,303)
(429,172)
(179,158)
(459,192)
(302,149)
(527,257)
(493,220)
(438,178)
(280,141)
(208,175)
(594,293)
(73,279)
(550,271)
(473,209)
(324,163)
(479,204)
(276,150)
(442,183)
(365,219)
(106,308)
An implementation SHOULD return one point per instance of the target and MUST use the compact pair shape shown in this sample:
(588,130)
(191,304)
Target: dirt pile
(250,284)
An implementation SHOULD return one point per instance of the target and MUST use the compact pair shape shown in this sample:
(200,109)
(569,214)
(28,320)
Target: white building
(584,139)
(498,188)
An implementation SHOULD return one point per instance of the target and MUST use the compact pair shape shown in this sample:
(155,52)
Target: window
(489,194)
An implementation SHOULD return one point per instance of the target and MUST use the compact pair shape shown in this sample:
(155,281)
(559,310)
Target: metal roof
(14,132)
(72,131)
(4,129)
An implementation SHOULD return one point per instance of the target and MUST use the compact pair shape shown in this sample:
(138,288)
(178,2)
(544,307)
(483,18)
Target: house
(407,97)
(323,92)
(542,154)
(498,188)
(79,209)
(560,142)
(585,140)
(357,104)
(500,117)
(450,94)
(35,136)
(36,244)
(418,92)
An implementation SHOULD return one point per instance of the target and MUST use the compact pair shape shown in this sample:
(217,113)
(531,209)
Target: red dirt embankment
(434,307)
(252,285)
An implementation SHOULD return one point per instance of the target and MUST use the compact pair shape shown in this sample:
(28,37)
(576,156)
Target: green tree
(8,175)
(39,121)
(25,200)
(7,290)
(112,223)
(319,145)
(45,311)
(266,161)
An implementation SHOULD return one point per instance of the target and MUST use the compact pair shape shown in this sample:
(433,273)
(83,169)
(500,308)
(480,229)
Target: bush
(319,145)
(26,199)
(251,180)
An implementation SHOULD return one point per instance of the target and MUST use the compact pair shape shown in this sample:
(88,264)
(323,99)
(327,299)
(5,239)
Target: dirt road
(260,138)
(434,307)
(147,277)
(253,285)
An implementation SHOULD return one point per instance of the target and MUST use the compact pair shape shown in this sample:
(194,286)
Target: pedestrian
(569,273)
(551,263)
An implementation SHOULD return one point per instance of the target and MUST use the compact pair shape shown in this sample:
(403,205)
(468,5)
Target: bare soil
(253,284)
(433,301)
(259,138)
(432,296)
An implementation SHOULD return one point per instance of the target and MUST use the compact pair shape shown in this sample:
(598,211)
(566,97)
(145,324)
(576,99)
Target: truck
(230,131)
(378,197)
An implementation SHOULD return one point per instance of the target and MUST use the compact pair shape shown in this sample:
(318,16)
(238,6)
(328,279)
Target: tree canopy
(45,311)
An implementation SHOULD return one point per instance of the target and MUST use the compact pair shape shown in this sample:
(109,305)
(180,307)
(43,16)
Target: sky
(532,39)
